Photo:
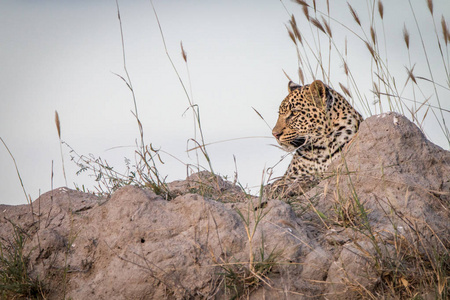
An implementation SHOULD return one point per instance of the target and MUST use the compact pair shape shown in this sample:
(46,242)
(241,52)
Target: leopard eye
(289,115)
(295,113)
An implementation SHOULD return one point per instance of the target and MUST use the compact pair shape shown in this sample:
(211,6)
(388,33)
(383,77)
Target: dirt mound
(387,203)
(379,220)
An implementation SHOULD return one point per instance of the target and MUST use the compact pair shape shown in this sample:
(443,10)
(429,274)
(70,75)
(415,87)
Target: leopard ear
(319,93)
(293,86)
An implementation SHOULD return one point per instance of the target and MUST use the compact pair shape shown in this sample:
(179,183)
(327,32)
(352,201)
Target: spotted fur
(315,122)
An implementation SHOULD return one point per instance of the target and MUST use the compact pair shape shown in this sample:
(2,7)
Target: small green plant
(15,281)
(241,278)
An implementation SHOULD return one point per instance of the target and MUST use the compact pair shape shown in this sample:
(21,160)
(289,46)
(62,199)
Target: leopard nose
(277,134)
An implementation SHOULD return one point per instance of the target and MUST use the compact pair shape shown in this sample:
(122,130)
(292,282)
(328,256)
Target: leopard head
(312,115)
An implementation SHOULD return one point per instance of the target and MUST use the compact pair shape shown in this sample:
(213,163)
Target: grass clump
(15,281)
(410,259)
(408,273)
(143,173)
(242,278)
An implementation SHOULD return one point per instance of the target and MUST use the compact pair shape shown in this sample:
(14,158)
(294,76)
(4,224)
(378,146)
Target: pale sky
(61,55)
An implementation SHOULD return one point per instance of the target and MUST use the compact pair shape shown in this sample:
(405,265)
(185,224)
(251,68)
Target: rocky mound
(378,226)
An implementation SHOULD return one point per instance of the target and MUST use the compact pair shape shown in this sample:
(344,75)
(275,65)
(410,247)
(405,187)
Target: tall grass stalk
(146,166)
(17,171)
(58,128)
(443,125)
(145,171)
(195,108)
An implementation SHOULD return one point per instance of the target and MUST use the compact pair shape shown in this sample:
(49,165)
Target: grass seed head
(295,30)
(306,12)
(291,34)
(58,124)
(406,36)
(380,9)
(183,53)
(346,68)
(445,31)
(316,23)
(373,35)
(376,90)
(430,5)
(301,76)
(370,48)
(327,27)
(301,2)
(354,14)
(345,90)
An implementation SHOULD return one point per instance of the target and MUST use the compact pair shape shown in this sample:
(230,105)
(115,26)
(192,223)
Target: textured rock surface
(403,183)
(391,183)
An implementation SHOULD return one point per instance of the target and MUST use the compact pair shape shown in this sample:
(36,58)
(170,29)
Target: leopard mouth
(298,142)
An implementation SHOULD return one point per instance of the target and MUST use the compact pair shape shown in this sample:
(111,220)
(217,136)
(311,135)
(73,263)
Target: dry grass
(410,261)
(409,265)
(391,90)
(242,278)
(15,282)
(58,128)
(145,170)
(406,269)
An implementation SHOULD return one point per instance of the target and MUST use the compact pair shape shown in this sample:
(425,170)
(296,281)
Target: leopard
(314,123)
